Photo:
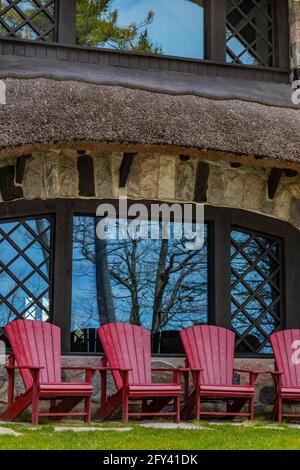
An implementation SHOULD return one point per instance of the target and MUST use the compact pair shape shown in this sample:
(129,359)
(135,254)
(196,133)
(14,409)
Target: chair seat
(158,390)
(290,392)
(66,389)
(227,390)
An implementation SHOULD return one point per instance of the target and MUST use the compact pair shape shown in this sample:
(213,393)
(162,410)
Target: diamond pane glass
(255,290)
(25,269)
(249,32)
(28,19)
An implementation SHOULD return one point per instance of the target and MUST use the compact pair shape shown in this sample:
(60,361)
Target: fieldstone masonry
(54,174)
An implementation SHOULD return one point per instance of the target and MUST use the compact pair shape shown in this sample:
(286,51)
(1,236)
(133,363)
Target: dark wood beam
(273,182)
(85,167)
(201,184)
(20,168)
(125,168)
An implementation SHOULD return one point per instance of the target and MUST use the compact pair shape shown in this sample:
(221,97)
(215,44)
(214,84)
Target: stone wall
(295,32)
(69,174)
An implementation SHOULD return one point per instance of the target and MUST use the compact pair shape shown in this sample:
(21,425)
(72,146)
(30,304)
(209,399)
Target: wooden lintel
(201,184)
(273,182)
(125,168)
(85,168)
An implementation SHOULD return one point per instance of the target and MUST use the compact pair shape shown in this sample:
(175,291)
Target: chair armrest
(277,378)
(29,367)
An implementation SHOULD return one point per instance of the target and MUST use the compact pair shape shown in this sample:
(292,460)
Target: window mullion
(62,295)
(66,21)
(216,30)
(220,276)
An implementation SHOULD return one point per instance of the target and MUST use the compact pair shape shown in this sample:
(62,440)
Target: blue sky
(177,25)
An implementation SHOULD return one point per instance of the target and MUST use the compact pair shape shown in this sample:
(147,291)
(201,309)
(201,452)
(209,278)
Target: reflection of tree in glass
(97,25)
(155,283)
(41,23)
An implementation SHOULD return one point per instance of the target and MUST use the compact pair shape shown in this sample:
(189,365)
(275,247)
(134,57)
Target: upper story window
(170,27)
(239,32)
(250,32)
(28,19)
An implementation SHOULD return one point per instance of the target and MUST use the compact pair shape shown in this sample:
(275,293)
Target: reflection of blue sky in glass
(178,25)
(187,280)
(240,51)
(15,267)
(255,276)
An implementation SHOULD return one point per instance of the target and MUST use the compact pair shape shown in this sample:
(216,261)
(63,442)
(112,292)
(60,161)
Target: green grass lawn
(214,437)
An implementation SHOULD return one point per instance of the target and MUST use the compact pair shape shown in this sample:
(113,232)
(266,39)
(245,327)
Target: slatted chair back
(286,348)
(36,343)
(129,347)
(210,348)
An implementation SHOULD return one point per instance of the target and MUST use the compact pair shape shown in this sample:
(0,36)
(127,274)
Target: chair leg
(251,409)
(177,410)
(198,406)
(125,406)
(279,410)
(88,409)
(35,409)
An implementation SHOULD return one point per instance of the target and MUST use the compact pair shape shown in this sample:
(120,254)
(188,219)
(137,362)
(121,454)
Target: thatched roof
(42,112)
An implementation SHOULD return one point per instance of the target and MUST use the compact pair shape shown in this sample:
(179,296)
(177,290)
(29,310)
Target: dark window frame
(215,39)
(220,221)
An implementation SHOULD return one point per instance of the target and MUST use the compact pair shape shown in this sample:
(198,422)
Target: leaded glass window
(28,19)
(250,32)
(26,259)
(256,296)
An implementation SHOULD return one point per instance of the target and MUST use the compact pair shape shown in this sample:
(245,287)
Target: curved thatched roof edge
(173,83)
(41,112)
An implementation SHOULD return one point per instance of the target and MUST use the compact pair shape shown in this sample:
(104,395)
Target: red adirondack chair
(209,354)
(36,354)
(127,349)
(286,348)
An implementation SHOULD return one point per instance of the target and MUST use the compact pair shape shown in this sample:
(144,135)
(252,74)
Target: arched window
(53,267)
